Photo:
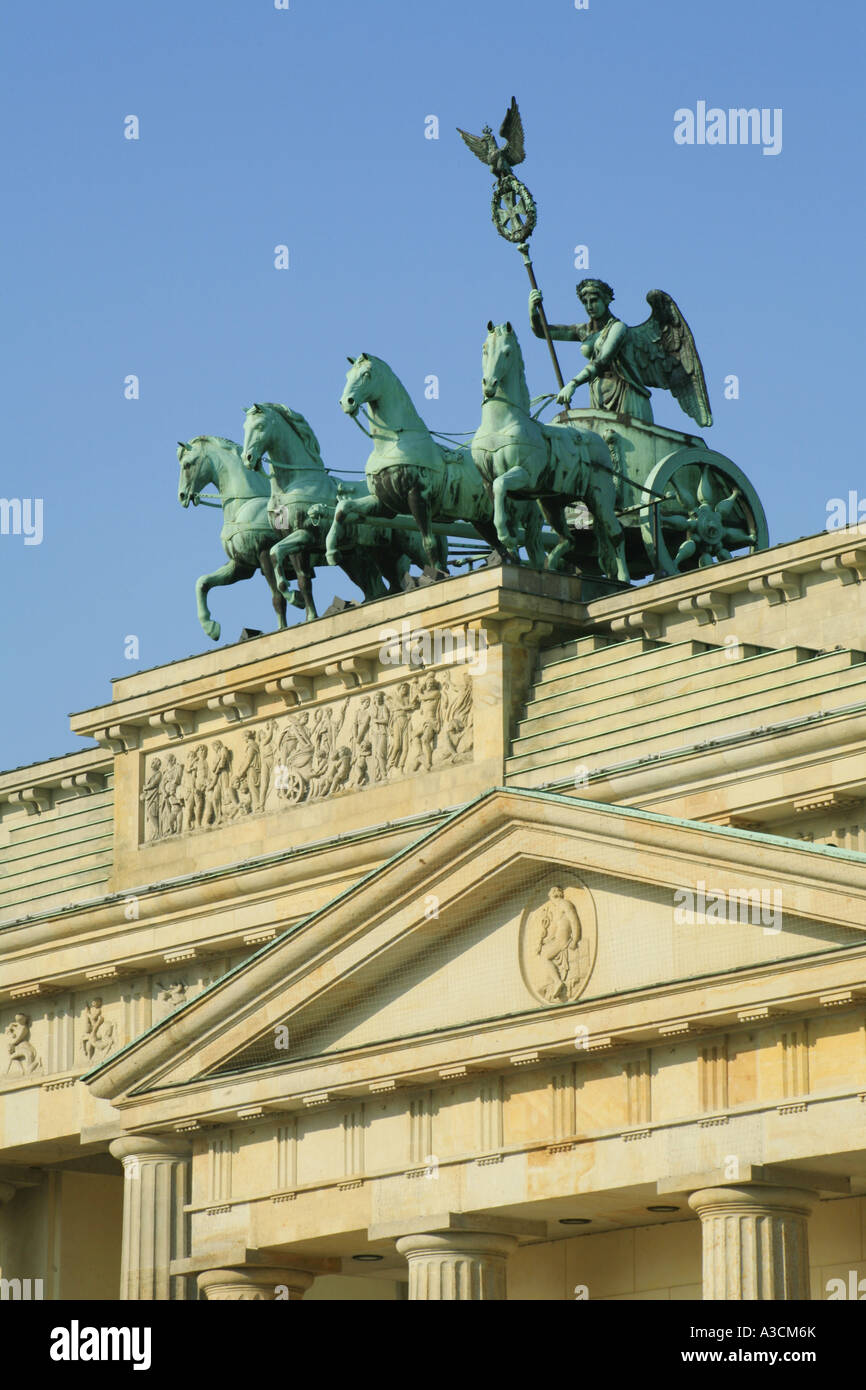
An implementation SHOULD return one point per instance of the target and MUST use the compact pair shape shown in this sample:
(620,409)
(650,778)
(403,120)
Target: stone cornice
(329,656)
(776,575)
(78,774)
(639,846)
(625,1026)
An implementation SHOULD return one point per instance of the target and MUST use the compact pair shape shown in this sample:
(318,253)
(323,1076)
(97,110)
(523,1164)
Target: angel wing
(477,144)
(511,131)
(666,356)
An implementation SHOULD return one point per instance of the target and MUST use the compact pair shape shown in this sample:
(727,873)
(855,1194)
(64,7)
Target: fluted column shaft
(155,1189)
(457,1265)
(755,1241)
(249,1283)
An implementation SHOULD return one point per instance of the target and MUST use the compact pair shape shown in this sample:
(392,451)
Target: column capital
(756,1198)
(145,1146)
(755,1240)
(457,1265)
(254,1283)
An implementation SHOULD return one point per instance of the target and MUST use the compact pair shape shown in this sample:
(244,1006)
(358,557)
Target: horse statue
(247,535)
(303,500)
(409,471)
(517,456)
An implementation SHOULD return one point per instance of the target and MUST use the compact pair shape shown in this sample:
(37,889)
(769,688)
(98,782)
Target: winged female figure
(624,362)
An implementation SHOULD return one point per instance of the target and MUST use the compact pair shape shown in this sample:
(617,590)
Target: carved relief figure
(380,719)
(401,707)
(170,996)
(170,806)
(21,1050)
(457,732)
(247,780)
(100,1034)
(558,928)
(218,801)
(151,796)
(196,789)
(267,754)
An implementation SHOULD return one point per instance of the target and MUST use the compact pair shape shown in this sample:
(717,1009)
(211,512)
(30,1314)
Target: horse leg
(487,531)
(532,541)
(229,573)
(435,547)
(349,510)
(277,599)
(609,533)
(553,511)
(277,555)
(509,480)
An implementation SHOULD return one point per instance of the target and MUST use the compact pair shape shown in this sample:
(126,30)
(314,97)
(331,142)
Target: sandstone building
(529,963)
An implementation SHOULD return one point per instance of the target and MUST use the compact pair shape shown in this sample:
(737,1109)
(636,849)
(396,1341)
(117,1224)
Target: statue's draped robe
(618,386)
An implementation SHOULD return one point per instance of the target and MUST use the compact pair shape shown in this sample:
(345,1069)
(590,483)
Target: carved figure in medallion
(558,928)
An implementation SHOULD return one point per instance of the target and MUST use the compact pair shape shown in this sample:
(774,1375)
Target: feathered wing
(511,131)
(476,143)
(666,356)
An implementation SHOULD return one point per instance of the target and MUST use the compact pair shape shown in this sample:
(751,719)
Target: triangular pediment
(522,907)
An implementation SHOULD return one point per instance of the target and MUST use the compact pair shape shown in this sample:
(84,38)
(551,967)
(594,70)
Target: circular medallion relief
(558,941)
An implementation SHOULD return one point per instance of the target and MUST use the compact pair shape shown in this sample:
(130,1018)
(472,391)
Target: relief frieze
(417,725)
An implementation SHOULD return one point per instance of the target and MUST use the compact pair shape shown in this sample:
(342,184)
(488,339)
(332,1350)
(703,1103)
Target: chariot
(682,505)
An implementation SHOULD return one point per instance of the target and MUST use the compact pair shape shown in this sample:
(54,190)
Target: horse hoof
(212,629)
(293,598)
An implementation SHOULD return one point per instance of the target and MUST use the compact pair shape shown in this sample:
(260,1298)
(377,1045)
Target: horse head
(502,365)
(257,431)
(359,386)
(195,470)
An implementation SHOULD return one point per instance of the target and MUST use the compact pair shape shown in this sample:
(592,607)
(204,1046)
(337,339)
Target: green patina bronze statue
(247,533)
(303,500)
(624,362)
(552,465)
(623,497)
(408,471)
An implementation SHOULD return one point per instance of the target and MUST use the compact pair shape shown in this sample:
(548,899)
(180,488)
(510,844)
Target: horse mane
(301,427)
(523,390)
(380,361)
(215,439)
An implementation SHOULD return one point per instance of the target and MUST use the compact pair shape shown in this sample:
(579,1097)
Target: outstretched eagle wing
(666,356)
(476,143)
(511,131)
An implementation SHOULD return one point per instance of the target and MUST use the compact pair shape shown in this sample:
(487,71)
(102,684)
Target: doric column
(457,1264)
(155,1188)
(254,1283)
(755,1241)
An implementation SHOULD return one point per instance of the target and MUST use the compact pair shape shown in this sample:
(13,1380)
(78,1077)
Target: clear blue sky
(305,126)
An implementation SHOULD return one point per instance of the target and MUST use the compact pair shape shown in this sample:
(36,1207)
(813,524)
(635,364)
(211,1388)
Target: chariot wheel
(708,510)
(513,209)
(295,788)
